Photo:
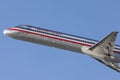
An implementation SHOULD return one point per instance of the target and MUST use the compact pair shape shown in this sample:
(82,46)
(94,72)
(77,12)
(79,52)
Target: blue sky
(27,61)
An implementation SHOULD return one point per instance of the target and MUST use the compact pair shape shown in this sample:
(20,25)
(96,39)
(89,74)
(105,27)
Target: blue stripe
(58,35)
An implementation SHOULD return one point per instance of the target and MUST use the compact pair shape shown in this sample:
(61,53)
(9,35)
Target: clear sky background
(27,61)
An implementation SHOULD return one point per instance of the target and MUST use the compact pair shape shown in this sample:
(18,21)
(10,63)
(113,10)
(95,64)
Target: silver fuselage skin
(44,41)
(56,39)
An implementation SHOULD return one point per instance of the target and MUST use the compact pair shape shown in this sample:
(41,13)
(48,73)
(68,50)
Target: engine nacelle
(97,53)
(86,50)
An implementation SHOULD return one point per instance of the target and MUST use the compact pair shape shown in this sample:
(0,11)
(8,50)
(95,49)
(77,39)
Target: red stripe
(16,29)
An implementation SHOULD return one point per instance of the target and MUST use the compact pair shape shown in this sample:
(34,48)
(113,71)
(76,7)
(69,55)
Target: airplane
(105,50)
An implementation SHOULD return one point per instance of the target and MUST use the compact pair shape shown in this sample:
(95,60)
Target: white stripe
(53,36)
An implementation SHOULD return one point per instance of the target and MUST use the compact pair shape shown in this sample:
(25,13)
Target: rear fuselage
(52,38)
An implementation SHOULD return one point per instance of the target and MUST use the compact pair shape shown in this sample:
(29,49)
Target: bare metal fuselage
(46,41)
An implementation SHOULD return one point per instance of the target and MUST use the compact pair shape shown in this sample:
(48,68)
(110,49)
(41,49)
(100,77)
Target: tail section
(105,48)
(106,44)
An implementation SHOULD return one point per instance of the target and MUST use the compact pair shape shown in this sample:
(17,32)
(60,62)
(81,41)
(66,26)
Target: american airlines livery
(104,51)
